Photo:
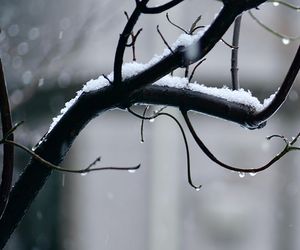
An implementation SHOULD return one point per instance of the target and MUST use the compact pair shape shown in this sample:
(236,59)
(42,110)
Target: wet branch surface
(8,150)
(55,144)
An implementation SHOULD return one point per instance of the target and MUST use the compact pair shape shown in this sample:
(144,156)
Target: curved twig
(142,123)
(288,147)
(175,25)
(8,150)
(286,4)
(133,38)
(274,32)
(282,93)
(194,69)
(228,44)
(123,40)
(164,40)
(189,175)
(61,169)
(159,9)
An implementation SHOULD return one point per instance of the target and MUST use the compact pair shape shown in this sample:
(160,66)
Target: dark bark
(56,143)
(8,150)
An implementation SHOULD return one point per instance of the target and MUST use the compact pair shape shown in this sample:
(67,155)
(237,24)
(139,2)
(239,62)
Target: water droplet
(83,174)
(197,189)
(285,41)
(241,174)
(60,36)
(275,4)
(252,174)
(132,171)
(152,120)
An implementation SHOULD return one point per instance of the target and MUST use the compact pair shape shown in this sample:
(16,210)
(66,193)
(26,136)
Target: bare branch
(133,39)
(272,31)
(194,69)
(175,25)
(195,25)
(159,9)
(123,40)
(48,164)
(228,44)
(8,150)
(288,147)
(283,91)
(105,76)
(286,4)
(234,53)
(189,175)
(164,40)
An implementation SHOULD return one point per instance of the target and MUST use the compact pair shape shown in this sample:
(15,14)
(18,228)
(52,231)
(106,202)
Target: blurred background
(51,48)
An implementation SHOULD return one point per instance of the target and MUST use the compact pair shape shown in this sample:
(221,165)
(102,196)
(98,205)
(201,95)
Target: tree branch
(56,143)
(122,43)
(156,10)
(288,147)
(234,53)
(8,150)
(282,93)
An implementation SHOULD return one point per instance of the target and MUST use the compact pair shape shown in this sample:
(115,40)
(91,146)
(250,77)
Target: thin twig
(155,115)
(283,91)
(189,175)
(235,53)
(272,31)
(58,168)
(142,124)
(133,39)
(105,76)
(194,26)
(288,147)
(175,25)
(123,40)
(286,4)
(158,9)
(228,44)
(194,69)
(164,40)
(8,150)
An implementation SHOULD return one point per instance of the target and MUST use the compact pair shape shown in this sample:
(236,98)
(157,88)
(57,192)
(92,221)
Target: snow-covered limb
(172,84)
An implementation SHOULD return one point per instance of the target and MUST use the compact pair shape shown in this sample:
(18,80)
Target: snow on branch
(240,96)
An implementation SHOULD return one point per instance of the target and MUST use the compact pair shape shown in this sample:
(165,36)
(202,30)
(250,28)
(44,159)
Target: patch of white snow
(133,68)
